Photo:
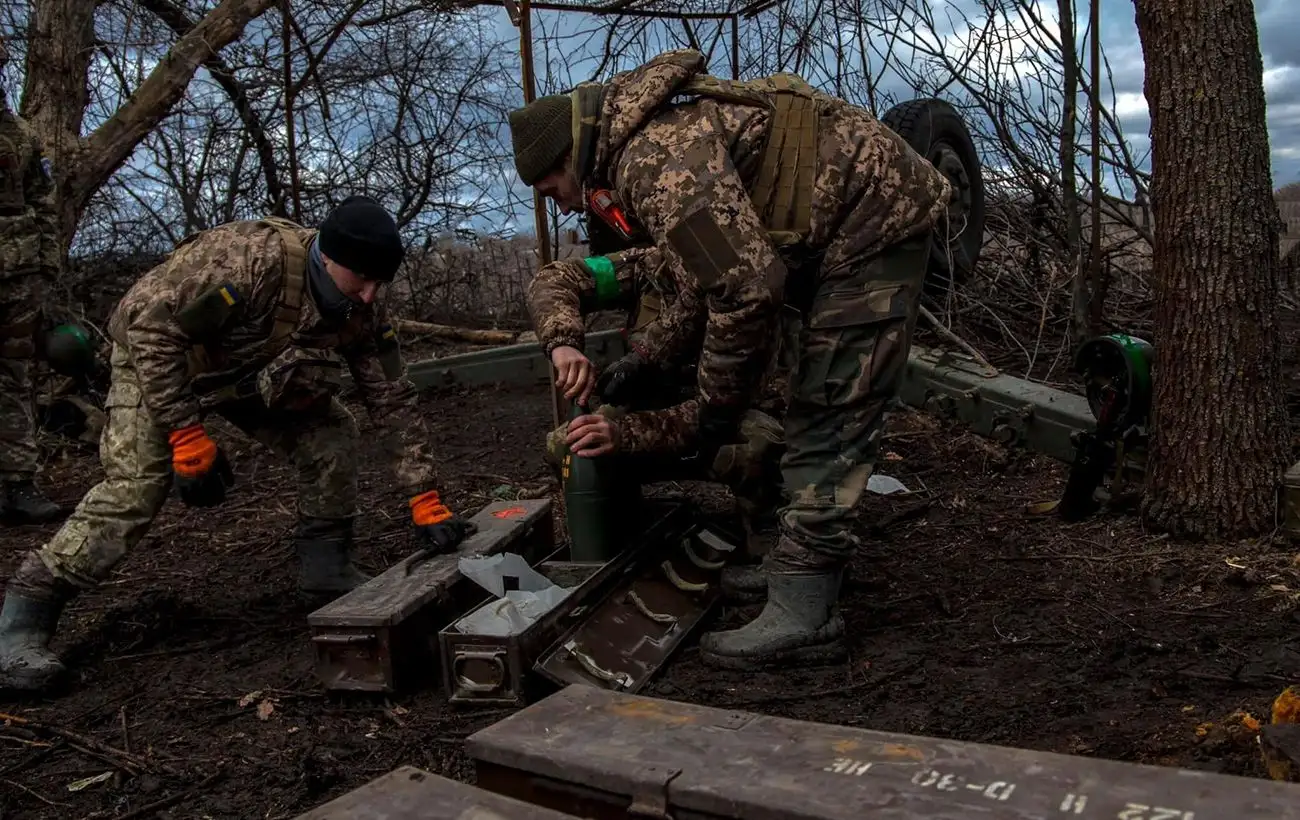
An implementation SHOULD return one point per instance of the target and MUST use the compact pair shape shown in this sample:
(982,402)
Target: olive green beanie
(542,132)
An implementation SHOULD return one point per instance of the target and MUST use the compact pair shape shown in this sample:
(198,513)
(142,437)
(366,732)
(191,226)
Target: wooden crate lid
(390,597)
(744,765)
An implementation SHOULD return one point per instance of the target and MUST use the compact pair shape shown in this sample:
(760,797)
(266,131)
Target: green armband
(602,271)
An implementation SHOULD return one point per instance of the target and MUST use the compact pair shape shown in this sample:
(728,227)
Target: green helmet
(70,351)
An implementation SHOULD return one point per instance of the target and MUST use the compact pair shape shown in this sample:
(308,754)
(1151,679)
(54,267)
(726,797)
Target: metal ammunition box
(601,754)
(383,635)
(631,632)
(498,669)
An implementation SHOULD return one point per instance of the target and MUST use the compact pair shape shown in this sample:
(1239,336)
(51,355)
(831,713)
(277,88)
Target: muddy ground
(970,618)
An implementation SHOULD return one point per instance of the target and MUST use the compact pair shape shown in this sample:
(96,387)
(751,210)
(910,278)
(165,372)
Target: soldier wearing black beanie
(361,236)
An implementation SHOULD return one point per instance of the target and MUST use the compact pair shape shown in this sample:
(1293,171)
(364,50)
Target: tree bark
(1219,432)
(56,92)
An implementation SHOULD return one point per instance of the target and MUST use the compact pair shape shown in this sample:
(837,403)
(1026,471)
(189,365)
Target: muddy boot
(324,547)
(23,503)
(744,580)
(34,600)
(800,625)
(744,583)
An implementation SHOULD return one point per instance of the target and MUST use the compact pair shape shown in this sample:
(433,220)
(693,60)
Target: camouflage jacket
(29,222)
(245,260)
(563,292)
(683,172)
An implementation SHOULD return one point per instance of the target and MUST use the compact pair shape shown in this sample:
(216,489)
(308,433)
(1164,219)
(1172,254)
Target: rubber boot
(23,503)
(744,583)
(34,600)
(324,547)
(799,625)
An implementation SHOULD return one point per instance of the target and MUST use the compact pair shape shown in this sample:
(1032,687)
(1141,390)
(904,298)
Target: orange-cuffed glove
(438,529)
(202,471)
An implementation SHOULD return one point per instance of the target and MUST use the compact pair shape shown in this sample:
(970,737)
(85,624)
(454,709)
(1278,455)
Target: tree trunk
(56,92)
(1067,148)
(1219,428)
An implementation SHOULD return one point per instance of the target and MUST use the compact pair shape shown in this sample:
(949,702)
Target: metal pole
(539,202)
(1094,256)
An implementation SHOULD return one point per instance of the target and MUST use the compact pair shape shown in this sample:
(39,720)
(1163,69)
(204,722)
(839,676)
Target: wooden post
(539,202)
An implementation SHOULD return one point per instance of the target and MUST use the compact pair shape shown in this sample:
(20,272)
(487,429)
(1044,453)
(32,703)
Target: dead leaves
(265,705)
(1276,578)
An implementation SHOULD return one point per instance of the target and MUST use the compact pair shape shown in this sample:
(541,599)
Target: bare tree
(58,91)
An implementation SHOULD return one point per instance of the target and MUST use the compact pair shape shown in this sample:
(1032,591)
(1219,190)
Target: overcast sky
(1279,25)
(1279,37)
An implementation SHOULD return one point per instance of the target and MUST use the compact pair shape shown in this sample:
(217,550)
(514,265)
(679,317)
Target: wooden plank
(395,594)
(409,793)
(593,752)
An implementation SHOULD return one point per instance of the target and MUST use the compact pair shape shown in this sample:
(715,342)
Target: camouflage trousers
(750,468)
(117,512)
(849,359)
(20,313)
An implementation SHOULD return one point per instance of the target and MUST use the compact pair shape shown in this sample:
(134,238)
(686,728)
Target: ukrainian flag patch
(229,294)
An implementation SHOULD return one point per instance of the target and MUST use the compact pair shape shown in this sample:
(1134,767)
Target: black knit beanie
(542,132)
(361,236)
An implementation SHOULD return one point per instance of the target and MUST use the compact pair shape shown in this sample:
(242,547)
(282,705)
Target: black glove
(445,536)
(627,381)
(208,489)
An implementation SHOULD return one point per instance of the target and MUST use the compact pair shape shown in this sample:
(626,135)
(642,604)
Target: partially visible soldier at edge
(762,194)
(30,257)
(635,280)
(251,320)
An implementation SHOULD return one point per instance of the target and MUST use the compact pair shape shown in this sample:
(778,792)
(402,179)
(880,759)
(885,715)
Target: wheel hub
(945,158)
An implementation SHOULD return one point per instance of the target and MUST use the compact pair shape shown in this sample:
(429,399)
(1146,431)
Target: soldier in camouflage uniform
(251,320)
(759,194)
(29,258)
(636,280)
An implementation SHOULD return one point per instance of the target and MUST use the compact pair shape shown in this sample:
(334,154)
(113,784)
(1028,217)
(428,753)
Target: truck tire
(936,131)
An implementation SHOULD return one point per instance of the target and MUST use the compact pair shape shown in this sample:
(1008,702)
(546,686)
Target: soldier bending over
(636,280)
(251,320)
(761,194)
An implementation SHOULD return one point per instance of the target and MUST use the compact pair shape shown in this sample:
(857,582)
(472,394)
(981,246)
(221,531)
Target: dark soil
(971,618)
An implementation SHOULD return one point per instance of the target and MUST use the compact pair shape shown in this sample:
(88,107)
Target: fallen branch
(460,334)
(44,800)
(158,805)
(953,337)
(126,761)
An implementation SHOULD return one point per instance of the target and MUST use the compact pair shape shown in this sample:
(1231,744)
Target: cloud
(1278,20)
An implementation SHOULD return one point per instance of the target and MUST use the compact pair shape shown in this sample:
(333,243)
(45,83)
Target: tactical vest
(288,306)
(782,190)
(292,284)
